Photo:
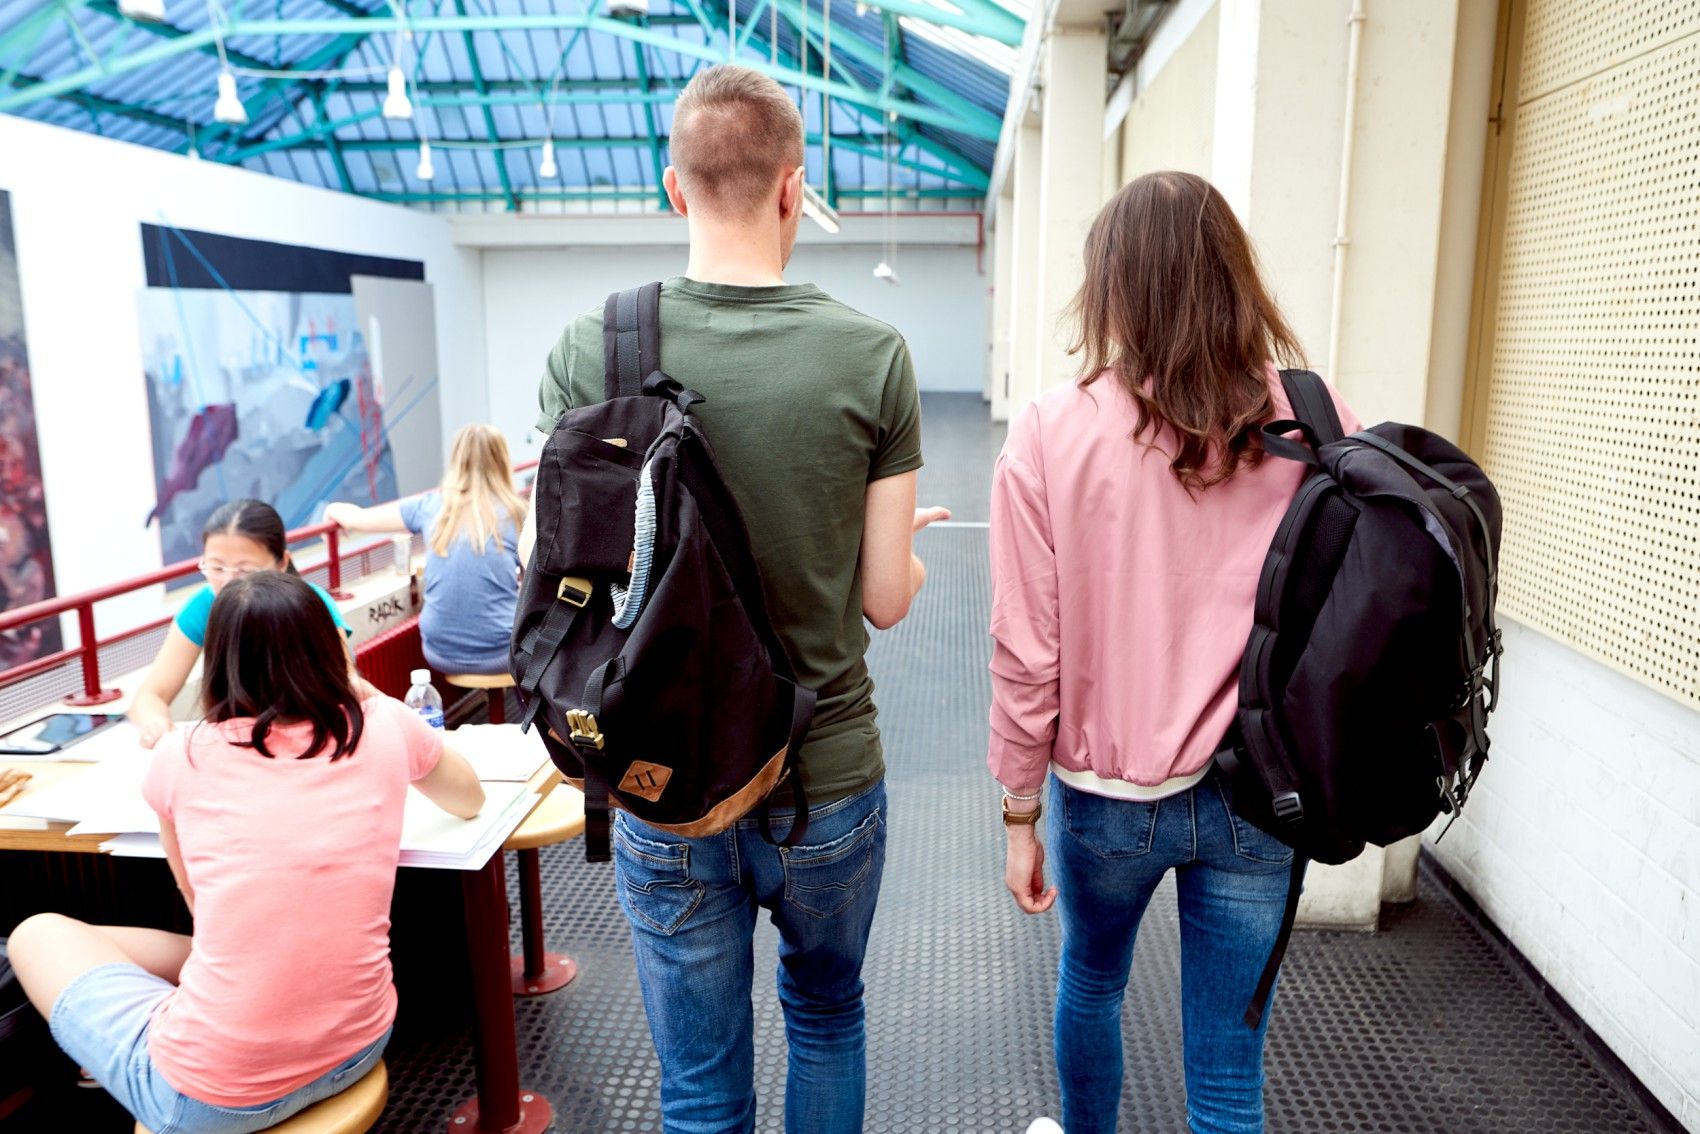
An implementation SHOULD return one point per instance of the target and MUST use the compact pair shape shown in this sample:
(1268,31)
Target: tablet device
(53,733)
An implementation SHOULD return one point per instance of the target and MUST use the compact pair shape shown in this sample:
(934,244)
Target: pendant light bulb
(426,170)
(396,102)
(229,109)
(547,167)
(884,271)
(148,11)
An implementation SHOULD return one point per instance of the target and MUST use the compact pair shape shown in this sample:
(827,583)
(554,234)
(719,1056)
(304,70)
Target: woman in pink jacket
(1131,513)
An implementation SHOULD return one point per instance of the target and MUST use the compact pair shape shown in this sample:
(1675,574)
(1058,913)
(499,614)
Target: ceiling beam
(331,143)
(168,30)
(484,105)
(286,93)
(868,145)
(643,195)
(872,56)
(934,116)
(652,131)
(93,102)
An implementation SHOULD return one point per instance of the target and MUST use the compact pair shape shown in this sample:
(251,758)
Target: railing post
(333,564)
(89,645)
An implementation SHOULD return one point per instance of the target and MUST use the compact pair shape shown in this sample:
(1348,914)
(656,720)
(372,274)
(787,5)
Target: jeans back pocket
(1109,828)
(821,880)
(656,887)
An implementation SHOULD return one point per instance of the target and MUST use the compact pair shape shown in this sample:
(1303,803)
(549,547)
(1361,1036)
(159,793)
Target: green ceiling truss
(895,103)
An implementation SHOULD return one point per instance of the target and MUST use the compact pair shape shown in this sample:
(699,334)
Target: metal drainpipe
(1354,25)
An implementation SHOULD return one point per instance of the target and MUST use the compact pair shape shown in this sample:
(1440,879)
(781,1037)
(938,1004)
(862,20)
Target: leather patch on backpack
(646,780)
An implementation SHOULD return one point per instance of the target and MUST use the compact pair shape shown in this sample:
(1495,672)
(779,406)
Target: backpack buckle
(1287,807)
(573,591)
(584,728)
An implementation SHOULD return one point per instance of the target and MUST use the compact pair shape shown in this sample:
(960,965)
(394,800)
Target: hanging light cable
(826,177)
(228,108)
(396,103)
(886,269)
(815,206)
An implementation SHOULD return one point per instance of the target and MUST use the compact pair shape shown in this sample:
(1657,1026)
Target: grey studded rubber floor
(1423,1027)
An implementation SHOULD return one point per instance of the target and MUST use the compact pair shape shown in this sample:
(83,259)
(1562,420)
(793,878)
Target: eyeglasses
(221,571)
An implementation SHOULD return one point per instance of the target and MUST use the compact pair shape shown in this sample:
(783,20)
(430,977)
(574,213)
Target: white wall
(1171,120)
(1582,843)
(77,203)
(530,294)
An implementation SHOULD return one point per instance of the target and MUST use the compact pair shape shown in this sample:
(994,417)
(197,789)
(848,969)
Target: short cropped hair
(734,131)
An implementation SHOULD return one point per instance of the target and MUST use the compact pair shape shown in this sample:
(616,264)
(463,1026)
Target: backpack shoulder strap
(1312,404)
(631,340)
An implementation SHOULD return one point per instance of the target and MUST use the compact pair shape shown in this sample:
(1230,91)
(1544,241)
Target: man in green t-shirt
(816,427)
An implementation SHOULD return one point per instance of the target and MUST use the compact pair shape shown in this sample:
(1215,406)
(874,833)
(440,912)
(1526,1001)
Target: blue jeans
(101,1020)
(692,907)
(1231,880)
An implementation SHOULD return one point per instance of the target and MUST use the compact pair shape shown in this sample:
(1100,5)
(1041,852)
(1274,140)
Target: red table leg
(535,970)
(501,1107)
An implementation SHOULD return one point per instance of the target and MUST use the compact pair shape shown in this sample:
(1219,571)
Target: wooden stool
(354,1111)
(558,818)
(495,686)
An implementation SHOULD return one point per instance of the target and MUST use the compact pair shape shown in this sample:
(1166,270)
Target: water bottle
(424,699)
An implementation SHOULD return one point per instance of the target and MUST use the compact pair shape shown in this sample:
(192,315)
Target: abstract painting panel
(26,557)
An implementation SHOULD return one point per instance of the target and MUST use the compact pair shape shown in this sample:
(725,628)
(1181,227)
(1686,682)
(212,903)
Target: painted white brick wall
(1582,843)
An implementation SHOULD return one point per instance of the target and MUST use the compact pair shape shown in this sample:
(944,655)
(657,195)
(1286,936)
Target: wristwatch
(1021,818)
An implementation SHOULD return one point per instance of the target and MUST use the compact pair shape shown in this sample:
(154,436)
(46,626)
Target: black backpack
(1373,661)
(641,640)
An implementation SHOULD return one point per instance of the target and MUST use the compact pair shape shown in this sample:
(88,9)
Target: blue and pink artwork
(254,391)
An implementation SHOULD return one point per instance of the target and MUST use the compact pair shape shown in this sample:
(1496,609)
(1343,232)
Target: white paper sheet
(498,752)
(110,790)
(120,739)
(430,837)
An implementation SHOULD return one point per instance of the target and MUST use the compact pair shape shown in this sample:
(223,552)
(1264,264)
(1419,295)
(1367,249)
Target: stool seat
(354,1111)
(558,818)
(480,680)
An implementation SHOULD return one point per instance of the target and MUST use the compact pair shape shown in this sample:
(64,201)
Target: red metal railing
(89,644)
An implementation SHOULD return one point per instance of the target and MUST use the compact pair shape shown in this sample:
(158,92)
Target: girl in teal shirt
(239,538)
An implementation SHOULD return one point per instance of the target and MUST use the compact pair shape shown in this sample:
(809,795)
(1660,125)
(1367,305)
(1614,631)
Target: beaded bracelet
(1007,794)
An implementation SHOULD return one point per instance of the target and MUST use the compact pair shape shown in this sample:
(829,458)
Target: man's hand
(925,516)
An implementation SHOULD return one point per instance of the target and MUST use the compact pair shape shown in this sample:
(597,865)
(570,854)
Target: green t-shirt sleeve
(554,392)
(899,448)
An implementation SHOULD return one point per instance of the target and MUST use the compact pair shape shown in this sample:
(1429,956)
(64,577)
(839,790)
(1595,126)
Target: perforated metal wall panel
(1593,418)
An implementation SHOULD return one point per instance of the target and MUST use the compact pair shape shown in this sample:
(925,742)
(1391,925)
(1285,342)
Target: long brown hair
(478,486)
(274,654)
(1173,306)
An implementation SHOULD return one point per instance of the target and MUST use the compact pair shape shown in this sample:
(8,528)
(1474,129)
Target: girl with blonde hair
(471,528)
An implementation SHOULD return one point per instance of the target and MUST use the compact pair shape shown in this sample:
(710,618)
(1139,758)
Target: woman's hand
(1024,870)
(150,728)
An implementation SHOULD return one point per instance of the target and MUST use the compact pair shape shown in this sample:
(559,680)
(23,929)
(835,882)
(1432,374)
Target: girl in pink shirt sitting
(281,818)
(1131,514)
